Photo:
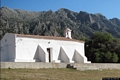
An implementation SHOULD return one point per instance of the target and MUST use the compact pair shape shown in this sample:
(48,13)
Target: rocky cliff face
(52,23)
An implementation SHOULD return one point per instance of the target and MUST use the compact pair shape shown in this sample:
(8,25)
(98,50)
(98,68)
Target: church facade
(35,48)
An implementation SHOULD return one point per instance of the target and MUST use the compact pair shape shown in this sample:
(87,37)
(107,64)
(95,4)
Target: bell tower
(68,33)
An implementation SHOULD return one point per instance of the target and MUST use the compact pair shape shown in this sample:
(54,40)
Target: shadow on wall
(77,57)
(39,55)
(63,56)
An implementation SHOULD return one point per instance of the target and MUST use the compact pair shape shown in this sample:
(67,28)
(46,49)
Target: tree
(114,57)
(102,47)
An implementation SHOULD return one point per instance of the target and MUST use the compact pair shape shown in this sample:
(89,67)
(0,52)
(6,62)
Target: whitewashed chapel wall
(27,47)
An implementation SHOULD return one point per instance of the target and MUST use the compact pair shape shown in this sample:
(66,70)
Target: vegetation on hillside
(51,23)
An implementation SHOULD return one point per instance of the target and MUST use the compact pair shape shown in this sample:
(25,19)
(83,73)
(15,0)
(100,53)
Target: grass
(56,74)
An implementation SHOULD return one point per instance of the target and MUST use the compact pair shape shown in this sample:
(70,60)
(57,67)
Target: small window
(5,40)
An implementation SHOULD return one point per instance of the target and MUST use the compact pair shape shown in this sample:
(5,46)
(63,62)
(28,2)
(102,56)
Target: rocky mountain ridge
(51,23)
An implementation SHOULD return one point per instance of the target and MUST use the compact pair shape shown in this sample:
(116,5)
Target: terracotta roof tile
(48,37)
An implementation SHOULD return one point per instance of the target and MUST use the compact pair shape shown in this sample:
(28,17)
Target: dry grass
(56,74)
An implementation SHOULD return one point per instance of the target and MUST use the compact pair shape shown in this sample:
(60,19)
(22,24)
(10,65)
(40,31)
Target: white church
(35,48)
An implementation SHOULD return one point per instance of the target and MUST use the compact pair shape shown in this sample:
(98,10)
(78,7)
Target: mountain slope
(52,23)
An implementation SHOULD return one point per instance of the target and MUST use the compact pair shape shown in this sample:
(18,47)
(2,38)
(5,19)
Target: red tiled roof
(48,37)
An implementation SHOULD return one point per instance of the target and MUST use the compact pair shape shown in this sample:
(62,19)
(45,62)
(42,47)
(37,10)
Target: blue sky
(109,8)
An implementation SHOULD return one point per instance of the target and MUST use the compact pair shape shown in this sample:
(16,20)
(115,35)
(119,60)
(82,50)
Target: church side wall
(8,47)
(26,48)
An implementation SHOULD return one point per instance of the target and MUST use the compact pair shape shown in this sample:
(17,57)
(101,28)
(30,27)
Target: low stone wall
(38,65)
(107,65)
(35,65)
(95,66)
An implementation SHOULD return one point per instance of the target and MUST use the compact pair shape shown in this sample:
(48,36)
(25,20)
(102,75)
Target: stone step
(83,67)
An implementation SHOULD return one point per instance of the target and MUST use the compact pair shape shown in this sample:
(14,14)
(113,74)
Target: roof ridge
(47,37)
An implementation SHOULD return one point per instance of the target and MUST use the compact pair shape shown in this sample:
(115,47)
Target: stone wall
(38,65)
(35,65)
(95,66)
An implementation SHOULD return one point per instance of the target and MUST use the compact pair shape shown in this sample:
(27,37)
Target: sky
(108,8)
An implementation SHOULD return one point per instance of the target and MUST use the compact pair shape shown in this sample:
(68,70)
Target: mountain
(51,23)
